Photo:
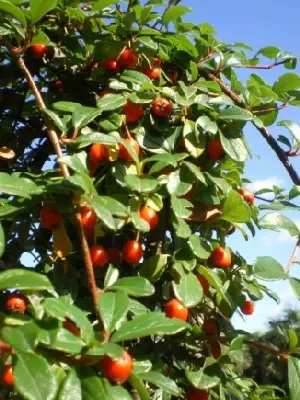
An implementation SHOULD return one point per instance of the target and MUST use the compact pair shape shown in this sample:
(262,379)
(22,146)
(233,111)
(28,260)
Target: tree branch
(293,256)
(65,173)
(281,154)
(268,66)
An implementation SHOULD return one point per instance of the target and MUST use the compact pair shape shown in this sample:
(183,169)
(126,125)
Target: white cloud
(273,238)
(265,183)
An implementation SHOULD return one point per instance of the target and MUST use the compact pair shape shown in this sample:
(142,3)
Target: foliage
(60,97)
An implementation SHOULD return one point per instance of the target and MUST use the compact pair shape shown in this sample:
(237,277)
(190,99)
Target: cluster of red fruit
(132,251)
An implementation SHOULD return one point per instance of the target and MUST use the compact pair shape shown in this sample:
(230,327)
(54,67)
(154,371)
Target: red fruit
(152,73)
(204,283)
(7,376)
(215,350)
(88,217)
(118,370)
(157,61)
(111,65)
(99,256)
(209,327)
(98,154)
(162,107)
(58,86)
(132,251)
(215,150)
(196,394)
(114,255)
(247,195)
(128,59)
(248,307)
(123,153)
(220,258)
(133,111)
(71,327)
(16,303)
(150,216)
(50,217)
(174,309)
(39,50)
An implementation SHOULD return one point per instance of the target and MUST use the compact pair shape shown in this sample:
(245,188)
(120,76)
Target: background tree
(122,156)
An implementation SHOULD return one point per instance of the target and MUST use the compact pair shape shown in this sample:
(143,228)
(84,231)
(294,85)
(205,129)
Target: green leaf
(34,378)
(161,381)
(21,338)
(235,113)
(141,184)
(269,51)
(8,7)
(113,308)
(55,119)
(114,206)
(173,13)
(153,323)
(295,284)
(40,8)
(187,288)
(269,269)
(2,241)
(207,124)
(100,4)
(199,247)
(82,116)
(94,388)
(17,186)
(201,380)
(214,281)
(293,339)
(236,349)
(277,222)
(111,102)
(137,308)
(23,279)
(235,148)
(293,128)
(96,137)
(181,207)
(235,209)
(71,387)
(153,267)
(66,106)
(102,211)
(294,377)
(77,162)
(62,310)
(194,141)
(287,82)
(136,286)
(138,385)
(134,77)
(195,171)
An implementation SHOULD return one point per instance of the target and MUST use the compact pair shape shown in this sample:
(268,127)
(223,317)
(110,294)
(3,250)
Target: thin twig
(281,154)
(293,256)
(263,199)
(268,66)
(267,110)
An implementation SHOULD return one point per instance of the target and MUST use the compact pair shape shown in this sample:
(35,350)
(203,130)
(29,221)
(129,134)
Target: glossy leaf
(34,378)
(23,279)
(71,387)
(154,323)
(40,8)
(267,268)
(113,308)
(136,286)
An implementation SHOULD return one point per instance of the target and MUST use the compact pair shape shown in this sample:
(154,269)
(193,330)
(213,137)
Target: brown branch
(65,173)
(268,66)
(51,132)
(282,355)
(281,154)
(263,199)
(293,153)
(267,110)
(293,256)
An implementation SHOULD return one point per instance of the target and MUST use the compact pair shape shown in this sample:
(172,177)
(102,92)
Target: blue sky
(259,24)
